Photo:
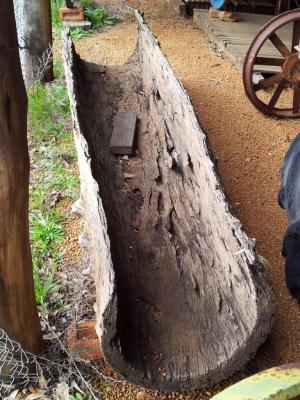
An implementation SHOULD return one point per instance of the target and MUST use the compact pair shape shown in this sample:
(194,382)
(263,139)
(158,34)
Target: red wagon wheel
(284,83)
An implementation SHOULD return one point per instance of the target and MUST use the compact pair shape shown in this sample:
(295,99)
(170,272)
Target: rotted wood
(18,312)
(183,299)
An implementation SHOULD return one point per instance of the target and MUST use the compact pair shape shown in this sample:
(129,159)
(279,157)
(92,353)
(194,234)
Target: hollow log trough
(183,299)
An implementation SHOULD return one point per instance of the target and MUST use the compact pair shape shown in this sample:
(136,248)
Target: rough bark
(182,298)
(18,312)
(36,29)
(18,6)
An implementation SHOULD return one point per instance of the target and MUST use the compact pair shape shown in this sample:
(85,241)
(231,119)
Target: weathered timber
(36,32)
(122,139)
(18,312)
(183,300)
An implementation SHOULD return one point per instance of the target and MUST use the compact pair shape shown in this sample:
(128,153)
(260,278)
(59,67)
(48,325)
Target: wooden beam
(18,311)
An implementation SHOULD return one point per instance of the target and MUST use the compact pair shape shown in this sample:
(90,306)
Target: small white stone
(141,396)
(86,272)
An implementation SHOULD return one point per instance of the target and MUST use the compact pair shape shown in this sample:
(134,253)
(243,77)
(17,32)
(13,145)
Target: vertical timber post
(37,33)
(18,311)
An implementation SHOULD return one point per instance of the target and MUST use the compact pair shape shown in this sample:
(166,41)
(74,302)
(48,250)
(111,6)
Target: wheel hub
(291,68)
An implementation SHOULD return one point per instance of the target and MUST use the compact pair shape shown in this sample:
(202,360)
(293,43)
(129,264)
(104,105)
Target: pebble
(141,396)
(86,272)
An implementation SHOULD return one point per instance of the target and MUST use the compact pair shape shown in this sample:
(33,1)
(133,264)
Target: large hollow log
(182,298)
(18,311)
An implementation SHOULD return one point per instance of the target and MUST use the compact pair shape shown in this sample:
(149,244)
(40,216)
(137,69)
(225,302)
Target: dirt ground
(249,148)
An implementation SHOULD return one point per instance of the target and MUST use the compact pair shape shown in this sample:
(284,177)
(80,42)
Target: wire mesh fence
(17,367)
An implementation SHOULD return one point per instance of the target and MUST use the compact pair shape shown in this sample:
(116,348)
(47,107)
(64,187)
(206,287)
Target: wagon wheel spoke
(280,46)
(296,98)
(268,82)
(296,35)
(276,94)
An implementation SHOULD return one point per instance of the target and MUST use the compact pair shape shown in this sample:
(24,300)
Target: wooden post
(37,33)
(18,311)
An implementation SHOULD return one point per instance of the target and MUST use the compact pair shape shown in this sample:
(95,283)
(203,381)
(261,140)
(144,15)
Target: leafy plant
(88,3)
(46,231)
(97,17)
(77,396)
(78,33)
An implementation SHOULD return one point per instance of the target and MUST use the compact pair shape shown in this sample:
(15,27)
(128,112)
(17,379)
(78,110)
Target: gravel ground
(249,147)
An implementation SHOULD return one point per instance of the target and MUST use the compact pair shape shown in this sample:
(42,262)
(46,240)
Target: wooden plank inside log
(183,299)
(122,139)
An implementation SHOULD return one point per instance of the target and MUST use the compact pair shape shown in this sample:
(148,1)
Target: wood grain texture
(18,312)
(183,299)
(234,40)
(122,139)
(37,35)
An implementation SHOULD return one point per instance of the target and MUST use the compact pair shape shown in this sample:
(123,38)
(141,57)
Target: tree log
(18,312)
(183,299)
(36,30)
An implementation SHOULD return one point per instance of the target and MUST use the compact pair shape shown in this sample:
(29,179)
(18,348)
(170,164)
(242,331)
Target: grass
(53,178)
(57,24)
(52,163)
(52,158)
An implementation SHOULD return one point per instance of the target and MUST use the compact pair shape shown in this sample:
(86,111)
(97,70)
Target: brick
(71,14)
(83,342)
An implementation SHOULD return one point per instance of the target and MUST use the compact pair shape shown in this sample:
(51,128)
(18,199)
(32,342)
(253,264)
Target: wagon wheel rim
(288,61)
